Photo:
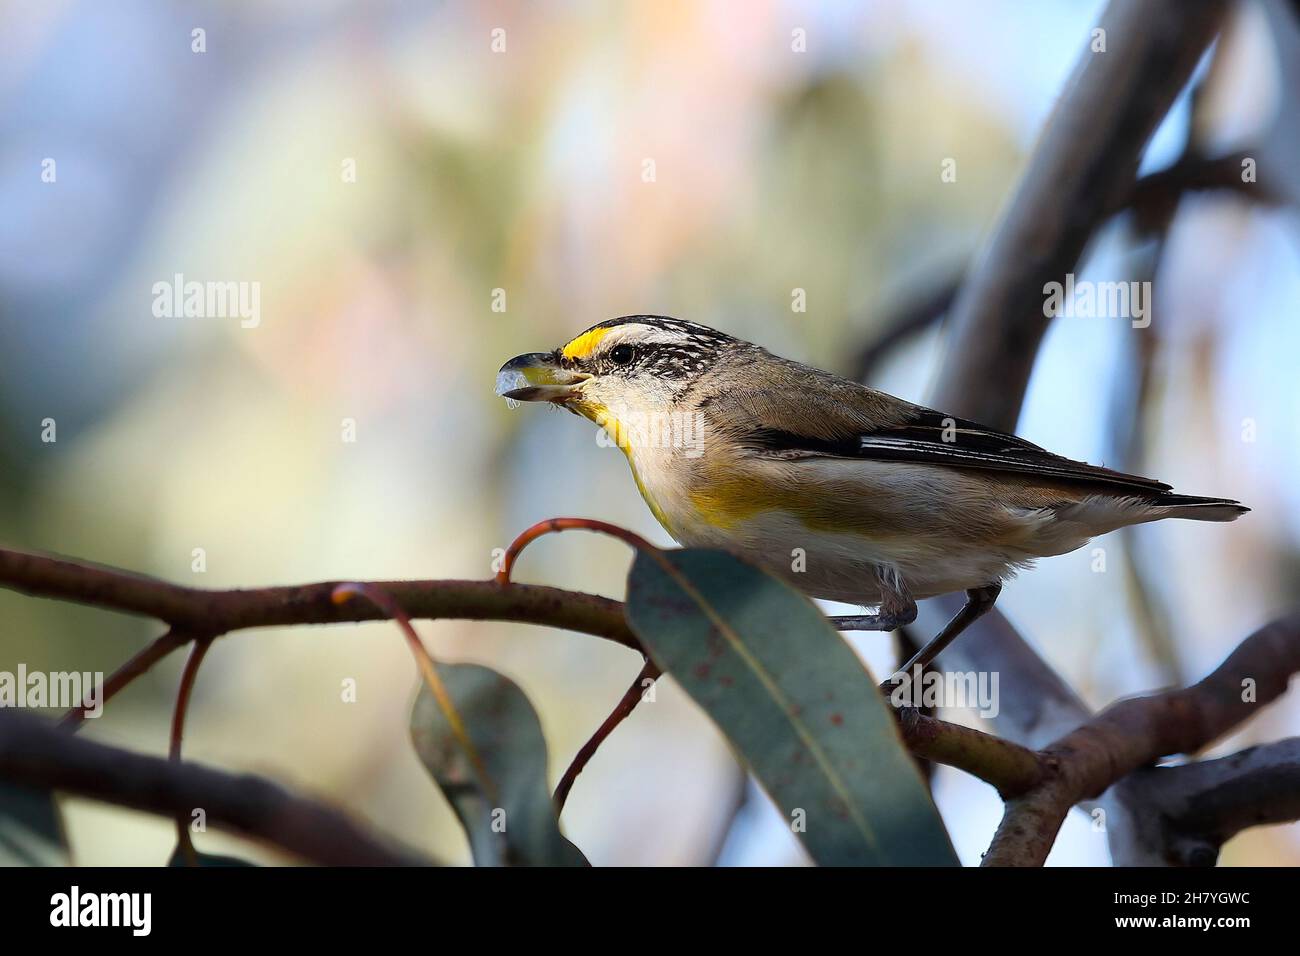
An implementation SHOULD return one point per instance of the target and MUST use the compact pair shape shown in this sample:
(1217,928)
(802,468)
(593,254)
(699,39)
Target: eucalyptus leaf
(30,831)
(794,700)
(501,799)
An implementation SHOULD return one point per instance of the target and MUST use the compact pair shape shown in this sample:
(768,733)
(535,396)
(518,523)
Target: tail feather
(1200,509)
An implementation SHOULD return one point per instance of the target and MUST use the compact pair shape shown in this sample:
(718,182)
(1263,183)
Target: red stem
(139,664)
(625,706)
(188,677)
(650,671)
(554,525)
(428,670)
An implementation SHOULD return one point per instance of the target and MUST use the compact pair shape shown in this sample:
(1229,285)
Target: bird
(846,492)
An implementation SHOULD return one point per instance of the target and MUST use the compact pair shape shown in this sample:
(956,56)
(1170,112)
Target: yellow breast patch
(585,344)
(725,502)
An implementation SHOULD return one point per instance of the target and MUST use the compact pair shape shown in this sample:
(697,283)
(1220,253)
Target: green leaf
(795,701)
(179,858)
(30,831)
(509,816)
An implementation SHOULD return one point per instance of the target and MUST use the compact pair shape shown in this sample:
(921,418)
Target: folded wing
(814,414)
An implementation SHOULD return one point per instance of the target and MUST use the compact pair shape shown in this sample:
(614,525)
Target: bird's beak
(538,377)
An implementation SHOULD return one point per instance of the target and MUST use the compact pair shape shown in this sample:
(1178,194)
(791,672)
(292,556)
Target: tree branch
(35,753)
(1152,198)
(1134,733)
(212,612)
(1010,768)
(1085,161)
(1042,787)
(209,613)
(1193,809)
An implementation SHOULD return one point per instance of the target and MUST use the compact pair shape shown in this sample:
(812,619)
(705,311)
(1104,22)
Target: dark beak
(538,377)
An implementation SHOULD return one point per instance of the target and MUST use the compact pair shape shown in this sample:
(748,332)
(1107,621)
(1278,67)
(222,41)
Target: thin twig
(556,525)
(138,665)
(183,694)
(648,675)
(188,676)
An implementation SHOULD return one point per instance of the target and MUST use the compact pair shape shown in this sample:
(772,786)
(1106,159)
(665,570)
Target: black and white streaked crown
(692,330)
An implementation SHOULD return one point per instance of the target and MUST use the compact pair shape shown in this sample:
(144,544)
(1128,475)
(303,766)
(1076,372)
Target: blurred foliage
(30,831)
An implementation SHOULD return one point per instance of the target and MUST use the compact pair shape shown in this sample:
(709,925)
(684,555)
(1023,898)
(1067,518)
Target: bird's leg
(883,621)
(896,608)
(978,603)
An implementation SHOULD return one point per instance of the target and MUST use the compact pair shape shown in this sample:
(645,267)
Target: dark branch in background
(912,317)
(1152,198)
(1133,384)
(35,753)
(1195,808)
(1133,733)
(735,809)
(1085,162)
(1037,706)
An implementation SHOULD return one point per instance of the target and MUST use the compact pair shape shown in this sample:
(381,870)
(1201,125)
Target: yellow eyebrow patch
(586,343)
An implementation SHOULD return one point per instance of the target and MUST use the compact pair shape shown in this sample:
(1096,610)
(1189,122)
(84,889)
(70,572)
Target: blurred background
(421,190)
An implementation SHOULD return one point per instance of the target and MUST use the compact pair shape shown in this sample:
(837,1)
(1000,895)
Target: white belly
(842,566)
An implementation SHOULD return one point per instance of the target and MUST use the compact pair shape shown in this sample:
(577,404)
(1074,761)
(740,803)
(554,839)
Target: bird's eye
(621,354)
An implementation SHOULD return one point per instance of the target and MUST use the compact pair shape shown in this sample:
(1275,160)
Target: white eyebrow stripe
(634,333)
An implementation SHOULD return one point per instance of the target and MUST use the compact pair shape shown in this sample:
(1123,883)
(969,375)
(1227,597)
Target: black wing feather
(921,440)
